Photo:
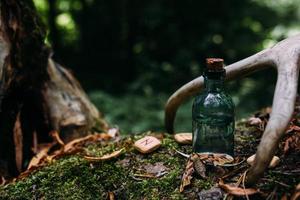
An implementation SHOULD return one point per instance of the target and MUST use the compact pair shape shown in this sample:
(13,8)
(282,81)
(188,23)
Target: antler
(285,57)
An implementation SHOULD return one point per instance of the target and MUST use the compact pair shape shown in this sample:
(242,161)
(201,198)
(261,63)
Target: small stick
(243,183)
(280,183)
(183,154)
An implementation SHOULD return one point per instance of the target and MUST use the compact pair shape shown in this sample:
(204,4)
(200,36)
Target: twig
(136,179)
(243,183)
(292,172)
(280,183)
(233,172)
(183,154)
(232,165)
(160,174)
(144,175)
(272,194)
(230,197)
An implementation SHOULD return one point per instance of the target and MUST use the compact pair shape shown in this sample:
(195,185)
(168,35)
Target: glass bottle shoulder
(213,103)
(213,100)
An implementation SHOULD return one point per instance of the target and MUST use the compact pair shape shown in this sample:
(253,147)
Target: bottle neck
(214,82)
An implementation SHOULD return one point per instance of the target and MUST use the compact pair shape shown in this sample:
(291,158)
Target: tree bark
(37,94)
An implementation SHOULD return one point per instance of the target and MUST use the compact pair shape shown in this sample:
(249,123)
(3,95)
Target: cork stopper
(215,64)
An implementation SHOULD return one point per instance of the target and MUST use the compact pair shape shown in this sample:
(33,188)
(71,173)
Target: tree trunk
(37,94)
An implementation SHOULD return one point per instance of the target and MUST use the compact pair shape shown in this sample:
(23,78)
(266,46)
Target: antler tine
(285,56)
(181,95)
(241,68)
(282,110)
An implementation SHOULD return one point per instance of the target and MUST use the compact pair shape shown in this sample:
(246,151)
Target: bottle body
(213,118)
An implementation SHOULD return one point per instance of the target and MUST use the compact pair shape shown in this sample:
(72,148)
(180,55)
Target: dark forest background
(131,55)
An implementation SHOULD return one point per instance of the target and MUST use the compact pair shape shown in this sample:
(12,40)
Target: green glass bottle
(213,113)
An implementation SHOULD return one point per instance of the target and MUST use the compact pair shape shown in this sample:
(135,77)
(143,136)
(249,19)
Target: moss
(73,177)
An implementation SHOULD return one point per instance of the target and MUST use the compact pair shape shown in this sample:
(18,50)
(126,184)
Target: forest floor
(107,166)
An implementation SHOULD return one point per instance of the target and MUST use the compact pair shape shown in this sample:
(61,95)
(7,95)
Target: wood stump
(37,95)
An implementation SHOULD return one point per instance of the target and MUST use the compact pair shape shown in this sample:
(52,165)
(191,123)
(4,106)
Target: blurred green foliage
(132,54)
(135,113)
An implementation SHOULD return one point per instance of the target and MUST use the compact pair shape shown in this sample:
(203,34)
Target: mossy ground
(73,177)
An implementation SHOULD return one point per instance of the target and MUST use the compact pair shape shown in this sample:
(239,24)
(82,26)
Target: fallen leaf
(56,138)
(237,191)
(287,145)
(144,175)
(222,159)
(187,175)
(216,158)
(89,138)
(111,196)
(292,143)
(18,141)
(296,194)
(199,166)
(28,171)
(212,193)
(2,181)
(292,128)
(124,163)
(42,154)
(284,197)
(255,121)
(105,157)
(155,169)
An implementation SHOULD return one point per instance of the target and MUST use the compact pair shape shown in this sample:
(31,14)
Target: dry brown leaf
(284,197)
(155,169)
(212,193)
(145,175)
(90,138)
(38,160)
(187,175)
(199,166)
(105,157)
(111,196)
(28,172)
(287,144)
(255,121)
(40,156)
(18,140)
(43,156)
(292,143)
(296,194)
(56,138)
(237,191)
(216,158)
(293,128)
(2,181)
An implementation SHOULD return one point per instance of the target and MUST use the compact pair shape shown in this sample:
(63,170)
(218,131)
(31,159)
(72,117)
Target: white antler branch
(241,68)
(285,56)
